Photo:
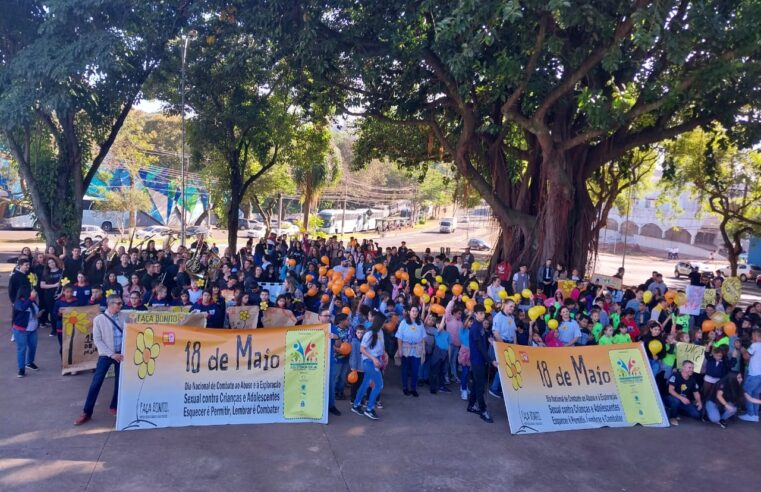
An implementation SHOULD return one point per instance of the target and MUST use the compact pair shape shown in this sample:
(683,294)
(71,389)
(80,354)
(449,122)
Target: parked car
(448,225)
(192,231)
(478,245)
(744,271)
(683,268)
(153,231)
(256,231)
(93,232)
(286,228)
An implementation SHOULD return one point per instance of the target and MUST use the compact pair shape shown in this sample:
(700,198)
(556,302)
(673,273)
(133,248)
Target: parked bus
(335,222)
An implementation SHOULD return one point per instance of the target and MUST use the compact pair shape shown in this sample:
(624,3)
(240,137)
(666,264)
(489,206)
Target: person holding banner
(108,334)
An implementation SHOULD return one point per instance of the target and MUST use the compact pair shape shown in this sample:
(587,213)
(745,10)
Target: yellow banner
(551,389)
(175,376)
(79,352)
(167,318)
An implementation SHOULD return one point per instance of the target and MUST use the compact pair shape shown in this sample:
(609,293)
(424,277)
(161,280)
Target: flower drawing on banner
(513,369)
(146,353)
(243,315)
(76,320)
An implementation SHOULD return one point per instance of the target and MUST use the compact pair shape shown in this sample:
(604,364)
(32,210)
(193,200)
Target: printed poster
(243,317)
(79,352)
(177,376)
(566,388)
(695,295)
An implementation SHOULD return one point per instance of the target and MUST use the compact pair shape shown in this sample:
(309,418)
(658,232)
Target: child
(716,368)
(463,357)
(622,336)
(438,358)
(607,336)
(551,339)
(594,316)
(669,356)
(355,358)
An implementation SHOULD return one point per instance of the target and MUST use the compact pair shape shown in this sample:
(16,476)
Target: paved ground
(429,443)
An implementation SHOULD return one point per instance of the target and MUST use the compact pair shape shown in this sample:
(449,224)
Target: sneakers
(21,373)
(486,417)
(722,424)
(495,395)
(378,404)
(444,389)
(334,411)
(370,414)
(357,409)
(82,419)
(414,393)
(673,422)
(33,366)
(473,409)
(748,418)
(464,395)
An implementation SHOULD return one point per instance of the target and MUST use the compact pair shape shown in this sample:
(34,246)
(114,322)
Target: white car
(255,231)
(448,226)
(744,271)
(93,232)
(286,228)
(154,231)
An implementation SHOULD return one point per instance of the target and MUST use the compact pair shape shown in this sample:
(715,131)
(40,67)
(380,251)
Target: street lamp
(186,39)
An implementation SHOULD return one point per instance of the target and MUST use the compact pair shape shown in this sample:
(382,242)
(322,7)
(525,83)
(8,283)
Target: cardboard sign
(79,350)
(243,317)
(606,281)
(278,317)
(167,318)
(689,351)
(310,318)
(695,294)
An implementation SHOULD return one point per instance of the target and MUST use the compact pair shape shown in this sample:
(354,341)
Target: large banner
(79,352)
(565,388)
(166,318)
(176,376)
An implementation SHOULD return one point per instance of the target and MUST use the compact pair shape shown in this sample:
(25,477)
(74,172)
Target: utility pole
(183,163)
(343,216)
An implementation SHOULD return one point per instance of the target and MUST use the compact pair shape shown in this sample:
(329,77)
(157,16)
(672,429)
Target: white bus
(335,222)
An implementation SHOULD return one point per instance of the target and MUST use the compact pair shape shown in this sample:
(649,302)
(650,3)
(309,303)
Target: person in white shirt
(108,335)
(752,383)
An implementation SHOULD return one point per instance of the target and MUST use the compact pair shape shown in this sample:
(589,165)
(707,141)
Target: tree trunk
(307,209)
(232,222)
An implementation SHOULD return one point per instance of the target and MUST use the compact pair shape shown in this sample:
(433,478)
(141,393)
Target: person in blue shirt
(25,324)
(569,331)
(211,309)
(439,358)
(82,290)
(479,364)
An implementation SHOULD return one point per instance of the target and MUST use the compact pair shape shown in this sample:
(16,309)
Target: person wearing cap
(108,335)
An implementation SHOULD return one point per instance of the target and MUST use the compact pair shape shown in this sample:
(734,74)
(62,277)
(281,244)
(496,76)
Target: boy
(752,384)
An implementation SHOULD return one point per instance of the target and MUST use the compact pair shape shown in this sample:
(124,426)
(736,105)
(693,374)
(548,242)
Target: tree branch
(530,66)
(261,171)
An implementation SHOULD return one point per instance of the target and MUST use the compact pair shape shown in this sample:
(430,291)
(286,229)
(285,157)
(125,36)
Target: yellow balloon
(476,266)
(442,288)
(465,298)
(488,301)
(516,297)
(541,309)
(488,308)
(473,285)
(439,279)
(647,296)
(533,313)
(502,294)
(424,281)
(681,299)
(426,298)
(526,293)
(552,324)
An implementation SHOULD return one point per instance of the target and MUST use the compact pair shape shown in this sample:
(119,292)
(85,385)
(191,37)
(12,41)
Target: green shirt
(597,331)
(622,338)
(615,319)
(605,340)
(682,321)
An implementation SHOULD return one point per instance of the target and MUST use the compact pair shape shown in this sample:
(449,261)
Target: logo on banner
(304,357)
(628,371)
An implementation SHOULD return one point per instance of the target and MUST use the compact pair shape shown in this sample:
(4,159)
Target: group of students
(431,314)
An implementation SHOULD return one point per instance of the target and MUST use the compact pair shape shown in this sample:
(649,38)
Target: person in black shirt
(450,273)
(72,265)
(684,394)
(694,276)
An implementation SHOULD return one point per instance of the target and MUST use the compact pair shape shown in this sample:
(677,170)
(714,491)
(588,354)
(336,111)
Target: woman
(373,355)
(134,286)
(568,331)
(212,310)
(50,285)
(25,314)
(97,272)
(725,397)
(135,302)
(82,289)
(111,286)
(411,336)
(494,289)
(151,250)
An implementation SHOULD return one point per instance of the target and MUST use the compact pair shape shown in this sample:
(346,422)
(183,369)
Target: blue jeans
(342,369)
(496,387)
(452,369)
(410,371)
(26,347)
(714,413)
(332,383)
(104,363)
(675,406)
(464,377)
(752,386)
(372,374)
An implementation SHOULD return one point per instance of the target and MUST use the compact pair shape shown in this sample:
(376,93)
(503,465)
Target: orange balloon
(312,292)
(398,274)
(371,279)
(349,292)
(352,377)
(344,348)
(670,295)
(438,309)
(336,276)
(378,267)
(336,289)
(418,290)
(291,262)
(371,294)
(323,271)
(470,305)
(309,278)
(730,329)
(457,289)
(325,260)
(405,276)
(346,310)
(364,288)
(708,325)
(325,298)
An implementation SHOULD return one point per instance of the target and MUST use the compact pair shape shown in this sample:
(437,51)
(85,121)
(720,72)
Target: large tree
(530,99)
(70,71)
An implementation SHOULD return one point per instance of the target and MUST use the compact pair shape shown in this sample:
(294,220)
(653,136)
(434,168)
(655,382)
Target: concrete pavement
(429,443)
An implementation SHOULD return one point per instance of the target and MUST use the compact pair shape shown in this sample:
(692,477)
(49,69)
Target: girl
(50,285)
(725,396)
(25,315)
(669,356)
(463,357)
(134,286)
(716,368)
(184,299)
(97,272)
(623,335)
(410,335)
(207,306)
(112,286)
(372,349)
(607,336)
(82,290)
(355,358)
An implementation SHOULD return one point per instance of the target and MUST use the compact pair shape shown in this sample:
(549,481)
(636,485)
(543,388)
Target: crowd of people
(434,315)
